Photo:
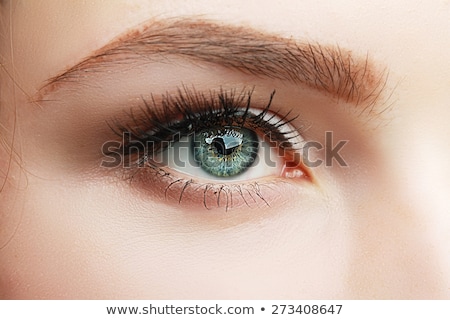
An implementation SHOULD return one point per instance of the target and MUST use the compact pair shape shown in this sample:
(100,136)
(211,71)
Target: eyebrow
(329,69)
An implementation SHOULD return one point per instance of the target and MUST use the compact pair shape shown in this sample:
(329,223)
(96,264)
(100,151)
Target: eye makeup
(218,126)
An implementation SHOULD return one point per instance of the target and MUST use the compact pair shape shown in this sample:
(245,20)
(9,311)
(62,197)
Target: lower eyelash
(209,195)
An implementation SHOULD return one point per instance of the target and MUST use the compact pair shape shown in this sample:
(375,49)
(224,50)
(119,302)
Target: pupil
(219,144)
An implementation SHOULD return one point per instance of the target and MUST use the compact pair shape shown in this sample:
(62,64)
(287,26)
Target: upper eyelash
(190,111)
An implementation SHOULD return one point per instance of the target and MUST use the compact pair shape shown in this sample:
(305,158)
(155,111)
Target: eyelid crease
(329,69)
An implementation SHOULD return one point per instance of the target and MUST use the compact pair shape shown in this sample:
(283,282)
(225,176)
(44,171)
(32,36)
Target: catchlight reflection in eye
(225,152)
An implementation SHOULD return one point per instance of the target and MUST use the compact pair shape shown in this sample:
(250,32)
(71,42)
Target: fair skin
(377,228)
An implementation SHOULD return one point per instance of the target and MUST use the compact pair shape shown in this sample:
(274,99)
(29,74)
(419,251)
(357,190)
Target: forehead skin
(400,234)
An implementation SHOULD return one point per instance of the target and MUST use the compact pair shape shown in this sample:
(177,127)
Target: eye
(216,143)
(225,154)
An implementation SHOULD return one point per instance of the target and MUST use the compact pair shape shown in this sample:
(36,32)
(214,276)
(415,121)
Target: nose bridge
(420,152)
(402,230)
(423,180)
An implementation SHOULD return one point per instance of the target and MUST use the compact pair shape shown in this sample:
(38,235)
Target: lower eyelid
(167,186)
(177,188)
(173,188)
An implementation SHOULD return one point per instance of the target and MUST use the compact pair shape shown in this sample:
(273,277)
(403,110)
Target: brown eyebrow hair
(326,68)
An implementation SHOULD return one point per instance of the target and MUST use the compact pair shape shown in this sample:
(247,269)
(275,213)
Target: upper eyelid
(329,69)
(157,123)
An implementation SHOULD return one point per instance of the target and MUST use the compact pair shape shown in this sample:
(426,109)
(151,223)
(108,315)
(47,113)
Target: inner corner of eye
(294,170)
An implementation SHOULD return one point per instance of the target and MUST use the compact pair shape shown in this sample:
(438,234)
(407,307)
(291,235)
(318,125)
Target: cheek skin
(135,249)
(381,236)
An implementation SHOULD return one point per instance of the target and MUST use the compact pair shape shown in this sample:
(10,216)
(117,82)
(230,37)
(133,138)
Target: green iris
(225,152)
